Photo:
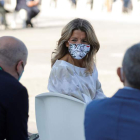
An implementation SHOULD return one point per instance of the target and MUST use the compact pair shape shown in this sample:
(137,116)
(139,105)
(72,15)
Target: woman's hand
(33,3)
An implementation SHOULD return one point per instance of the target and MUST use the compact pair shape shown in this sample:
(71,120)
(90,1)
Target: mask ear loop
(1,68)
(22,71)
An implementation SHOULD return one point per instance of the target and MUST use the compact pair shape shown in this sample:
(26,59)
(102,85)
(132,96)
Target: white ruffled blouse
(71,80)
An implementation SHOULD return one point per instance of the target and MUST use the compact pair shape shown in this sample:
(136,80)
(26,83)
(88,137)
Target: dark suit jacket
(116,118)
(22,4)
(13,108)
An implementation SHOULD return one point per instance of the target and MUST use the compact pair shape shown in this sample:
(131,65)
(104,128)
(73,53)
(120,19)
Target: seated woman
(73,70)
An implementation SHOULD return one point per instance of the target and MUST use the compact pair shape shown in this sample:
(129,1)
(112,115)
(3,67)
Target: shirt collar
(130,88)
(131,93)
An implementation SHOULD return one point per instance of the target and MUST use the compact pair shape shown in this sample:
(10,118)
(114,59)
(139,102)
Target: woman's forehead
(78,34)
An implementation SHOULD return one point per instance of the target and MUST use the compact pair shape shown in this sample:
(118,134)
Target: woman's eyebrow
(73,37)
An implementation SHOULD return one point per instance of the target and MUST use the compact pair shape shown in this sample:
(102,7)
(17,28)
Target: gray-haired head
(12,51)
(131,66)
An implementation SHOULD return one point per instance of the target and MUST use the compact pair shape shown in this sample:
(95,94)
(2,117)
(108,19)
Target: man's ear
(19,67)
(120,74)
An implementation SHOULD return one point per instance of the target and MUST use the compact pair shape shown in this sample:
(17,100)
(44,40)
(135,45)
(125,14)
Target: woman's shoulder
(61,69)
(95,71)
(61,64)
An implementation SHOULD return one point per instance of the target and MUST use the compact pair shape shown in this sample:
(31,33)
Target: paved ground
(115,34)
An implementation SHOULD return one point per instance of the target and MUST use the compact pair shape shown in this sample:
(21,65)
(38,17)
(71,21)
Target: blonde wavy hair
(85,26)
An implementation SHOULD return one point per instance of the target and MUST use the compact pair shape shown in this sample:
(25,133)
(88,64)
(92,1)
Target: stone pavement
(115,34)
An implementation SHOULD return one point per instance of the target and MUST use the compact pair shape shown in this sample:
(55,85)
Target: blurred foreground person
(30,6)
(3,14)
(118,118)
(74,3)
(108,4)
(127,6)
(13,95)
(91,4)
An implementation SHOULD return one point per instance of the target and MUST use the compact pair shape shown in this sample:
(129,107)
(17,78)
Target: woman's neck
(68,58)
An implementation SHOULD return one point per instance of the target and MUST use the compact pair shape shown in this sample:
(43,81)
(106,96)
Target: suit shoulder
(112,103)
(9,83)
(100,103)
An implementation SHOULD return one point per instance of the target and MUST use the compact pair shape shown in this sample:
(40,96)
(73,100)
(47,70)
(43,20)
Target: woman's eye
(73,40)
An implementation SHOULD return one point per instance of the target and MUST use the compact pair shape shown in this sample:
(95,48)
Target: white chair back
(59,117)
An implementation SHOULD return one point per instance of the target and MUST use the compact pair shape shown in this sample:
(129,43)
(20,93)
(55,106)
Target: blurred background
(116,23)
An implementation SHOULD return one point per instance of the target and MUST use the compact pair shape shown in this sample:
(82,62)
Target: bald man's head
(13,56)
(12,50)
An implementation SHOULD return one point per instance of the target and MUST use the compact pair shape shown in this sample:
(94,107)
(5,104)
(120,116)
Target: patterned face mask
(78,51)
